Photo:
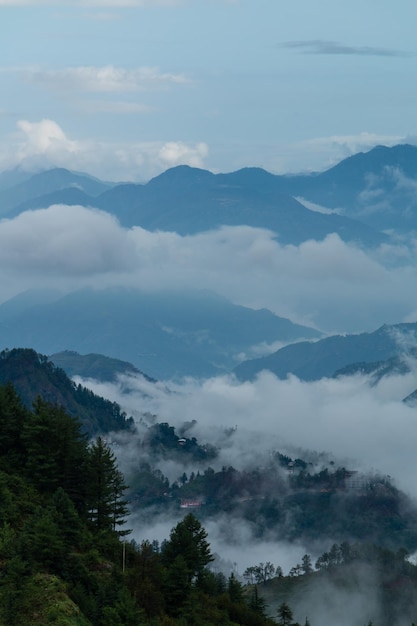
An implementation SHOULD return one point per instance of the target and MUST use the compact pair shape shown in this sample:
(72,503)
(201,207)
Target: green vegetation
(285,499)
(33,374)
(64,556)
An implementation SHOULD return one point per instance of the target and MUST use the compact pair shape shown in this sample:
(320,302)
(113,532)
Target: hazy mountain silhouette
(312,361)
(164,335)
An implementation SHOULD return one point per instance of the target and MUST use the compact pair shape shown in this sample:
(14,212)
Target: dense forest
(66,557)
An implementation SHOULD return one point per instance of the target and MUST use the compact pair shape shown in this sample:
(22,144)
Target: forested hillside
(66,557)
(283,498)
(64,554)
(34,375)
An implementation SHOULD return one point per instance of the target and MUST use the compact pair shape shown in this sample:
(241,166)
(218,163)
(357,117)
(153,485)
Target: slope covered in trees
(64,558)
(33,374)
(283,498)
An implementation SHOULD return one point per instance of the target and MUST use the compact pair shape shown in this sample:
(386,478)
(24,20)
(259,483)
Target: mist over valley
(203,309)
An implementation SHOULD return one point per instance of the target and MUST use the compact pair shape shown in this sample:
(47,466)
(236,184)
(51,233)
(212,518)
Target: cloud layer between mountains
(329,284)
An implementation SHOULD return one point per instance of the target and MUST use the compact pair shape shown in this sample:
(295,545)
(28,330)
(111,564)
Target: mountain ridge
(369,192)
(33,375)
(315,360)
(163,334)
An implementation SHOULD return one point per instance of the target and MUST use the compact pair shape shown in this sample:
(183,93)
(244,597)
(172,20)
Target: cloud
(44,144)
(106,78)
(363,426)
(320,46)
(64,240)
(44,137)
(357,425)
(176,152)
(139,160)
(328,284)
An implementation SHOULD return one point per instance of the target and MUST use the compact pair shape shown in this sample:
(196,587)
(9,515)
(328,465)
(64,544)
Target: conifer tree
(107,507)
(189,540)
(12,417)
(56,451)
(284,614)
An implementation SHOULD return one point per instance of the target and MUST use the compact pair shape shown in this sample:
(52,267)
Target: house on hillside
(191,503)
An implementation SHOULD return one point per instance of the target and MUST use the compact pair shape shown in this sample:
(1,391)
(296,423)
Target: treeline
(64,551)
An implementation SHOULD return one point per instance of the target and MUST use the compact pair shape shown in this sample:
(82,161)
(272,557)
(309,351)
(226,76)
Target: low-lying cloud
(364,426)
(329,284)
(349,421)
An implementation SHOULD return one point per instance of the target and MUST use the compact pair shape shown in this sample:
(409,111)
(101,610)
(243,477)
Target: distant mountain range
(347,354)
(165,335)
(372,192)
(200,334)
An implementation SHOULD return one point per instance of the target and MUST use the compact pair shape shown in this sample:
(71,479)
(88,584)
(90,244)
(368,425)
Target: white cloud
(106,78)
(329,284)
(176,152)
(366,427)
(44,137)
(44,144)
(64,241)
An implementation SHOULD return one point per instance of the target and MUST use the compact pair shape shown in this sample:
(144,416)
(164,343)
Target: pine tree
(56,451)
(284,614)
(107,507)
(12,417)
(257,603)
(189,540)
(234,588)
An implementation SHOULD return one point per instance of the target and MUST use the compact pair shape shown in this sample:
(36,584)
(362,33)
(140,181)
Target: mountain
(371,192)
(376,187)
(315,360)
(45,183)
(189,200)
(34,375)
(10,178)
(396,365)
(70,196)
(166,335)
(95,366)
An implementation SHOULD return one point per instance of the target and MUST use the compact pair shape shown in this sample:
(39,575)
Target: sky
(124,89)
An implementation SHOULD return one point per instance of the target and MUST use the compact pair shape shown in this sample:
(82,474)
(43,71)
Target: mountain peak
(182,174)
